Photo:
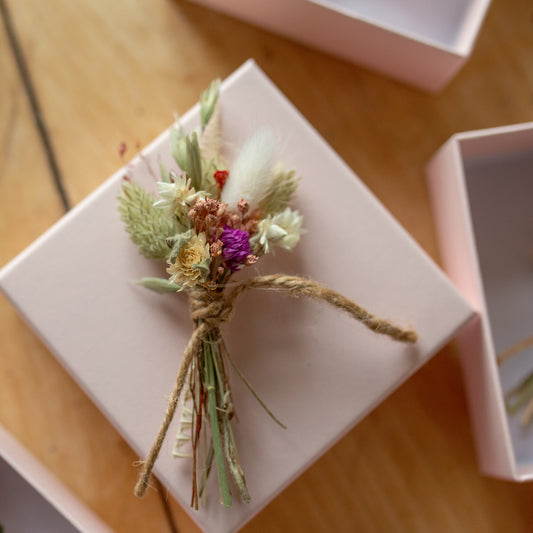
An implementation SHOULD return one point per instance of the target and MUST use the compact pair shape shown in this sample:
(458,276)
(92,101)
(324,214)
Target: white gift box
(420,42)
(317,369)
(32,499)
(481,184)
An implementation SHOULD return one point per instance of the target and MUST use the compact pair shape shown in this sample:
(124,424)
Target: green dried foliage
(160,285)
(282,186)
(194,161)
(165,176)
(208,181)
(208,101)
(148,226)
(186,151)
(178,147)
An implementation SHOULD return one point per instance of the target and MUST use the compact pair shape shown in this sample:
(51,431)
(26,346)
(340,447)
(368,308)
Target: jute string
(210,309)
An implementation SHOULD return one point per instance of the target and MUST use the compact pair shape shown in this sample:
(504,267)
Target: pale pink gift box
(316,368)
(420,42)
(32,499)
(481,184)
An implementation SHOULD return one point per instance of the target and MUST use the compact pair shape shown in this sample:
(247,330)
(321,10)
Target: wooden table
(106,72)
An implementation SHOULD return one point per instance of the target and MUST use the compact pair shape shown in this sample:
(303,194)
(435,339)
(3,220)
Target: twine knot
(211,307)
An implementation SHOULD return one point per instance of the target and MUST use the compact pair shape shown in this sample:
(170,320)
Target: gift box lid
(32,499)
(481,188)
(314,367)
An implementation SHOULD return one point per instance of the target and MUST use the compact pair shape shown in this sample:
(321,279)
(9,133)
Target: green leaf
(165,177)
(208,101)
(160,285)
(194,162)
(178,148)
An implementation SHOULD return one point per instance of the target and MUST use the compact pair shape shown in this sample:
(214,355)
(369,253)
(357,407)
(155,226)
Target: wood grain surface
(110,72)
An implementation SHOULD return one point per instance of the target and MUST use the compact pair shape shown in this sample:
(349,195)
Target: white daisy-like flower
(177,197)
(283,229)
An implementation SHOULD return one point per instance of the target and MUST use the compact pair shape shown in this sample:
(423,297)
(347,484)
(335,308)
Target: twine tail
(192,348)
(296,286)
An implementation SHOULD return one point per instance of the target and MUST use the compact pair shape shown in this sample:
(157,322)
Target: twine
(210,309)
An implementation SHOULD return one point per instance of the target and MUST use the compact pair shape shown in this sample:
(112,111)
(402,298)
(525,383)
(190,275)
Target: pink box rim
(471,27)
(48,486)
(459,146)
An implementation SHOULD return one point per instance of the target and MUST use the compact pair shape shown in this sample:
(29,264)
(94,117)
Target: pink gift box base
(481,184)
(315,368)
(32,500)
(420,42)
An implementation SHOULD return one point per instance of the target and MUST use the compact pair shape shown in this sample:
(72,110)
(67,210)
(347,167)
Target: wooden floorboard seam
(34,104)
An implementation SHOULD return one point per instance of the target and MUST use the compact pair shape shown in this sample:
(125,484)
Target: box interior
(22,508)
(447,23)
(500,190)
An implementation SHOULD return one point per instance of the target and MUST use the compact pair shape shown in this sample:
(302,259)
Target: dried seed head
(243,206)
(216,248)
(251,259)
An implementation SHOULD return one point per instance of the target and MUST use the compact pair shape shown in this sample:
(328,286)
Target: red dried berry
(220,177)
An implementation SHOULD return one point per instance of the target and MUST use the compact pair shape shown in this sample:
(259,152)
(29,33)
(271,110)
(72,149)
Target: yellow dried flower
(189,260)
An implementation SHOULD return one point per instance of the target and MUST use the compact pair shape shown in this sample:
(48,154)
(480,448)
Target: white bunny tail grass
(251,172)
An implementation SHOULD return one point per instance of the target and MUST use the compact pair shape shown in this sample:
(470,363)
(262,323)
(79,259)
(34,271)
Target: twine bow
(210,309)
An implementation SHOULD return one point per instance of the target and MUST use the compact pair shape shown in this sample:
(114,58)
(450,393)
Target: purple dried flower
(236,247)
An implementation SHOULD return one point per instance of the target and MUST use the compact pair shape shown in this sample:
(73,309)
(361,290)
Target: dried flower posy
(209,221)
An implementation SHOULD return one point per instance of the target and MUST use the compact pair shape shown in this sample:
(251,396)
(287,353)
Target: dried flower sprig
(208,222)
(522,395)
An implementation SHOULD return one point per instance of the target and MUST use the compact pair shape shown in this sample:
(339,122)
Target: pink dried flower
(243,206)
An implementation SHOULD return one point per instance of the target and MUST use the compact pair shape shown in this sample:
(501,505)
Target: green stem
(233,460)
(230,448)
(522,393)
(208,465)
(215,429)
(255,395)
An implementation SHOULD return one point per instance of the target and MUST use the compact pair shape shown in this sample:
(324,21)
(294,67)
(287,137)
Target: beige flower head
(189,260)
(177,197)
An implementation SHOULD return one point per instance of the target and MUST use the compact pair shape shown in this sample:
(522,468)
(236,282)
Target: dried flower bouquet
(208,221)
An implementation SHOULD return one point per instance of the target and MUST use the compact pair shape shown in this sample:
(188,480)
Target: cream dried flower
(189,260)
(282,229)
(177,197)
